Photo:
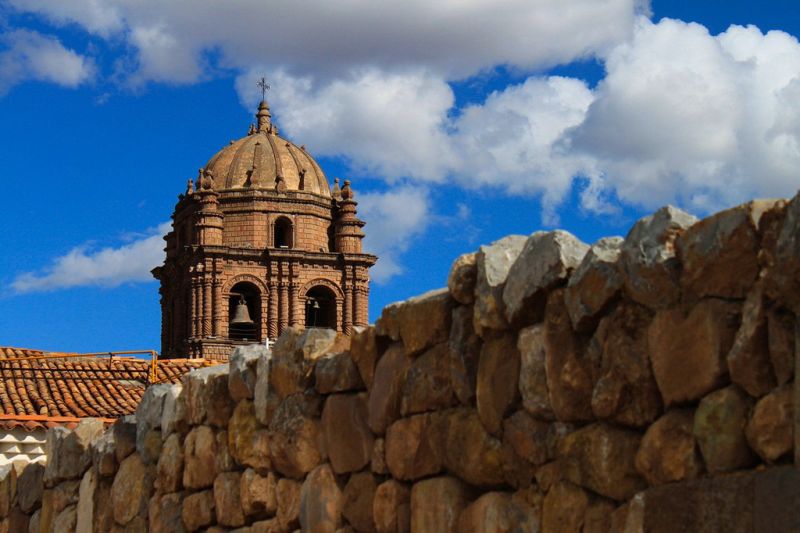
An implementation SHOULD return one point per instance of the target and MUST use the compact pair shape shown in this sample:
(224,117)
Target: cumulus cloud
(107,267)
(705,121)
(682,116)
(393,219)
(455,39)
(28,55)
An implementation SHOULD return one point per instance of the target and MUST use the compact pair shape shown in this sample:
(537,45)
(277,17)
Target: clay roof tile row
(36,393)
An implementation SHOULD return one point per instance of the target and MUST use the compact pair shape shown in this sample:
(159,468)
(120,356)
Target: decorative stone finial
(337,192)
(263,117)
(205,180)
(189,187)
(347,192)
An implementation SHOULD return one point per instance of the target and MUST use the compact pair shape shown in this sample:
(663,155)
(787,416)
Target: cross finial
(264,86)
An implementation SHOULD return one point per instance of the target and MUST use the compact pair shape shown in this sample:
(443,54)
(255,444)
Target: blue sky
(456,126)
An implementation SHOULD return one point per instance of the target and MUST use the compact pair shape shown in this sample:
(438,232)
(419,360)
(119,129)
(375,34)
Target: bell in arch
(242,315)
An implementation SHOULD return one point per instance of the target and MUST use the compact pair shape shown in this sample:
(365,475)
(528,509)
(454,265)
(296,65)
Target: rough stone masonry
(637,384)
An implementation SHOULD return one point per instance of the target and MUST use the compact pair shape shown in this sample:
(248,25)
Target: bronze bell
(242,316)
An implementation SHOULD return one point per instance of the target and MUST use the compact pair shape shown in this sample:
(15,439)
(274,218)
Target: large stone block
(495,512)
(564,508)
(749,361)
(357,502)
(348,438)
(595,283)
(625,391)
(602,458)
(462,278)
(427,386)
(569,380)
(165,513)
(780,338)
(198,510)
(498,375)
(228,500)
(131,490)
(463,353)
(410,450)
(243,363)
(719,254)
(783,276)
(687,350)
(437,503)
(258,493)
(365,349)
(546,261)
(391,508)
(320,501)
(265,398)
(336,373)
(200,458)
(467,449)
(648,260)
(248,442)
(296,440)
(124,430)
(288,499)
(206,397)
(421,321)
(494,261)
(769,430)
(169,471)
(532,372)
(104,454)
(527,437)
(173,417)
(30,484)
(668,451)
(386,393)
(738,503)
(68,452)
(719,424)
(148,418)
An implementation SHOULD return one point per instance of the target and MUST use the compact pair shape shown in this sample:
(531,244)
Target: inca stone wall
(638,384)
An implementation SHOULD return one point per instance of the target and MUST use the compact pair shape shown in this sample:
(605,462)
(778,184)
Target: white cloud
(393,219)
(27,55)
(107,267)
(97,16)
(705,121)
(681,117)
(453,38)
(397,126)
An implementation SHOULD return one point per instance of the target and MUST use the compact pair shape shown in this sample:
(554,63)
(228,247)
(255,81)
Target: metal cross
(264,86)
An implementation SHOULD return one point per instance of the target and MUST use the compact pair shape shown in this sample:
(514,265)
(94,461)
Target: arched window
(244,313)
(283,233)
(320,308)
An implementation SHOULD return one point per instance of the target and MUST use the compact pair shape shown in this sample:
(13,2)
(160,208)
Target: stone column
(218,312)
(263,332)
(283,316)
(207,306)
(195,307)
(272,319)
(295,308)
(357,306)
(347,318)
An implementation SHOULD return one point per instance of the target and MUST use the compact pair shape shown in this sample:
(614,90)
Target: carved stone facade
(260,230)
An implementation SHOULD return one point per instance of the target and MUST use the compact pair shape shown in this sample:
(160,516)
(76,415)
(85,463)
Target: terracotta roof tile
(38,393)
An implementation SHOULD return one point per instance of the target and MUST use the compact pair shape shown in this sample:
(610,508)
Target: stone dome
(264,160)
